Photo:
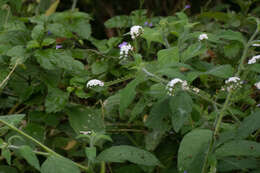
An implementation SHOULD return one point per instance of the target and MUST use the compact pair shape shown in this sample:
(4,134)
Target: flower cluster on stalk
(232,83)
(253,59)
(170,86)
(125,48)
(94,82)
(136,31)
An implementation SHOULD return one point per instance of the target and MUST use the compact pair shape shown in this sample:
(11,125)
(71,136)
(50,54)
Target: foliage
(182,97)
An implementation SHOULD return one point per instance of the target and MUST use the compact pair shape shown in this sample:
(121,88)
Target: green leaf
(28,154)
(232,50)
(32,44)
(192,149)
(249,125)
(50,59)
(239,148)
(122,21)
(167,56)
(127,94)
(153,139)
(232,35)
(58,165)
(99,67)
(91,153)
(18,54)
(6,153)
(48,41)
(255,68)
(7,169)
(138,109)
(222,71)
(59,30)
(231,164)
(153,35)
(85,119)
(82,28)
(181,108)
(37,32)
(12,119)
(192,51)
(124,153)
(56,100)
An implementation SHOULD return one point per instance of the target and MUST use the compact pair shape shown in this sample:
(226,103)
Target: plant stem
(50,151)
(8,76)
(74,5)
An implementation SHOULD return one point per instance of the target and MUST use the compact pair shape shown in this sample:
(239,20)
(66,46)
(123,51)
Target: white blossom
(196,90)
(203,36)
(136,31)
(232,83)
(124,50)
(253,59)
(85,132)
(257,85)
(256,45)
(173,82)
(94,82)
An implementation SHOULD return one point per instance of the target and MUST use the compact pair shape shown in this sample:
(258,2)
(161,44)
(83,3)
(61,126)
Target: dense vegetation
(138,86)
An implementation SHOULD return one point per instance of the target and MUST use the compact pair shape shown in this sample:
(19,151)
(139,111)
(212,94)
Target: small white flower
(256,45)
(173,82)
(203,36)
(85,132)
(257,85)
(136,31)
(253,59)
(124,50)
(196,90)
(94,82)
(233,83)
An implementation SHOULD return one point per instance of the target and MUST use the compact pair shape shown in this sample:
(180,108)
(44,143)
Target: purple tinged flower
(258,105)
(146,23)
(58,46)
(187,6)
(122,44)
(185,172)
(49,33)
(151,24)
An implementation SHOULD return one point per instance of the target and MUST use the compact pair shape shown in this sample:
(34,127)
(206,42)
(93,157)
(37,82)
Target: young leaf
(181,107)
(192,150)
(37,32)
(192,51)
(28,154)
(222,71)
(124,153)
(58,165)
(91,153)
(12,119)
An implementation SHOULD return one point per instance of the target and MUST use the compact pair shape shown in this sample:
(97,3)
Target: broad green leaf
(157,90)
(222,71)
(6,153)
(231,164)
(58,165)
(91,153)
(138,109)
(192,51)
(254,67)
(52,8)
(48,41)
(99,67)
(56,100)
(192,150)
(127,94)
(35,130)
(129,169)
(181,107)
(152,35)
(122,21)
(32,44)
(85,119)
(50,59)
(132,154)
(249,125)
(18,54)
(12,119)
(37,32)
(28,154)
(159,112)
(153,139)
(232,35)
(239,148)
(167,56)
(82,28)
(232,50)
(7,169)
(59,30)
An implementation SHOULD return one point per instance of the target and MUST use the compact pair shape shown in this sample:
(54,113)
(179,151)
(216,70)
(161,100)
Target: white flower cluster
(256,45)
(136,31)
(173,82)
(257,85)
(85,132)
(203,37)
(254,59)
(124,50)
(94,82)
(232,83)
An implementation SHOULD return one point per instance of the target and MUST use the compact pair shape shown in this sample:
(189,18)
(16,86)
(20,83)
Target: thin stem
(50,151)
(8,76)
(74,5)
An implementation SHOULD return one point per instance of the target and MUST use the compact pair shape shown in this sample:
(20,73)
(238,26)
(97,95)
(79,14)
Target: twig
(8,76)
